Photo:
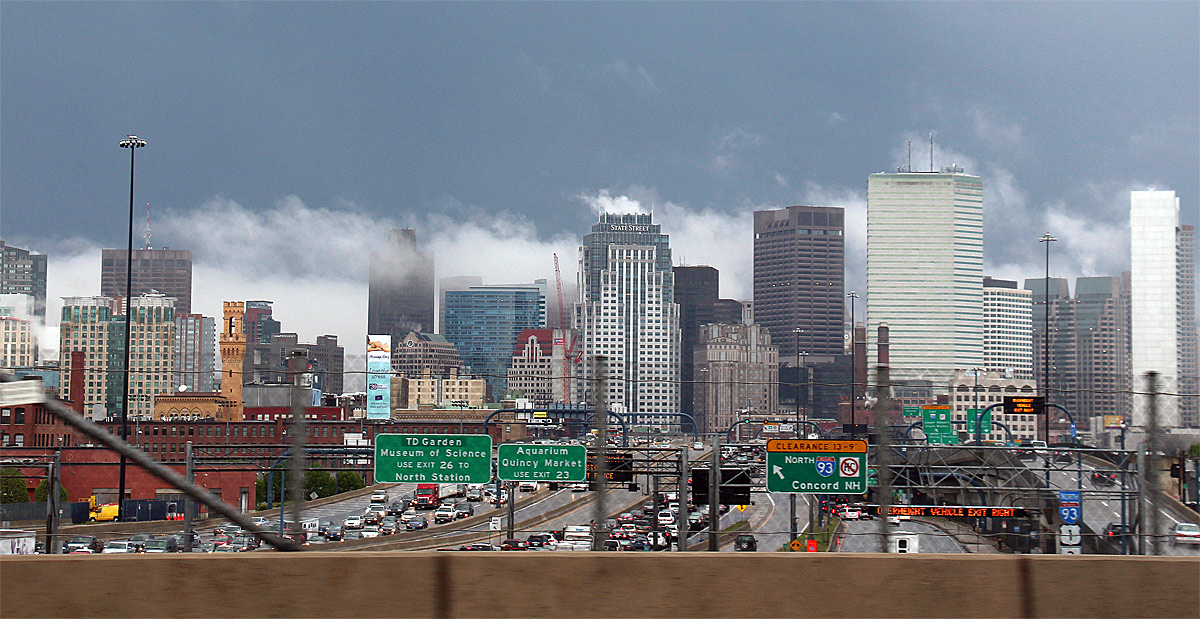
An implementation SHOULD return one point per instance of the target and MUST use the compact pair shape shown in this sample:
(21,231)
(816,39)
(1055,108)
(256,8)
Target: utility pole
(512,508)
(189,472)
(297,366)
(682,525)
(1153,464)
(601,453)
(883,405)
(53,544)
(714,495)
(792,516)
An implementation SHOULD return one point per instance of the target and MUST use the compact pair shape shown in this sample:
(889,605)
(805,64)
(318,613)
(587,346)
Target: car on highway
(416,524)
(444,514)
(371,517)
(161,545)
(463,509)
(849,513)
(389,527)
(119,547)
(396,508)
(527,486)
(514,544)
(335,534)
(229,548)
(370,530)
(79,542)
(259,521)
(409,514)
(666,517)
(353,522)
(745,542)
(221,540)
(1186,533)
(579,487)
(1116,530)
(697,445)
(352,535)
(475,493)
(541,540)
(379,496)
(478,546)
(1104,479)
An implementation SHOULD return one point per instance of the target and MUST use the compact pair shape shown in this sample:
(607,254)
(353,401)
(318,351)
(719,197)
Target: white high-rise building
(1007,328)
(627,314)
(1155,238)
(925,272)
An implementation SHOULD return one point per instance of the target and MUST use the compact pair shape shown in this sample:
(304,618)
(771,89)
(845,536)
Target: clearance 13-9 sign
(817,466)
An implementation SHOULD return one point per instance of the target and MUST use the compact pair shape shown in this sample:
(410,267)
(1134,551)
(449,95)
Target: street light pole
(1045,386)
(797,331)
(132,142)
(852,295)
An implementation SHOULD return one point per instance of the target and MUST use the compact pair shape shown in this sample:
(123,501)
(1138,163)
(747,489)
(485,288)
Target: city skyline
(608,127)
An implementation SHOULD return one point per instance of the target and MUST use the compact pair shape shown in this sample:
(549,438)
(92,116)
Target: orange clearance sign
(802,446)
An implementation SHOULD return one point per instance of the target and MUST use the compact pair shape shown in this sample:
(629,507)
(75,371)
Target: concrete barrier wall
(464,584)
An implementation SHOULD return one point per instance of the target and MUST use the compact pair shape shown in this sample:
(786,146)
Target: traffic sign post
(1070,540)
(973,414)
(935,421)
(433,458)
(520,462)
(817,466)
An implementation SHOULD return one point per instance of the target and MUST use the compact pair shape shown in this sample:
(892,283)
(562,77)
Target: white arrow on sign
(778,471)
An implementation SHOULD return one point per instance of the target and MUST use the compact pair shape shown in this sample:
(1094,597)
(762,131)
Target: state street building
(627,314)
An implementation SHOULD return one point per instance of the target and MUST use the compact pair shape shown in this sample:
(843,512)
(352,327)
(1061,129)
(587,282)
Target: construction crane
(562,324)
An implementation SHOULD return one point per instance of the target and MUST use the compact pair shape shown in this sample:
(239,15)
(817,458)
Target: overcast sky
(284,138)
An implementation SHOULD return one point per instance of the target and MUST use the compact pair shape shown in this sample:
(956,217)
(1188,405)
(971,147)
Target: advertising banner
(379,376)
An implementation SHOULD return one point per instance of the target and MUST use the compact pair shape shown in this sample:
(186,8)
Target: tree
(319,482)
(349,480)
(12,486)
(42,492)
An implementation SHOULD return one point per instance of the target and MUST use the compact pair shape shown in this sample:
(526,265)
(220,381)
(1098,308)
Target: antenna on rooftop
(908,168)
(146,234)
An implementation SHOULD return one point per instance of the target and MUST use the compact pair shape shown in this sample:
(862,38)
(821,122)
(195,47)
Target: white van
(575,537)
(527,486)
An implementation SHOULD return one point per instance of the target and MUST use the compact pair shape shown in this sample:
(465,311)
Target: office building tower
(233,353)
(974,391)
(459,282)
(91,325)
(24,272)
(483,323)
(268,363)
(543,367)
(195,353)
(260,322)
(418,353)
(739,372)
(1088,344)
(1157,244)
(155,271)
(925,271)
(627,314)
(400,295)
(696,291)
(1189,354)
(18,346)
(84,327)
(800,278)
(1007,329)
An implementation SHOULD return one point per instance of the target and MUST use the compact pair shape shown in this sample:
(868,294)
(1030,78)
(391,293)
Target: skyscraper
(800,278)
(458,282)
(925,271)
(164,271)
(195,353)
(483,323)
(627,313)
(740,371)
(24,272)
(1189,354)
(1007,328)
(696,290)
(400,294)
(1155,249)
(260,322)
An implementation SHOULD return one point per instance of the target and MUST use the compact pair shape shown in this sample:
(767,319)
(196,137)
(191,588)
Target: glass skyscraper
(484,322)
(627,313)
(925,271)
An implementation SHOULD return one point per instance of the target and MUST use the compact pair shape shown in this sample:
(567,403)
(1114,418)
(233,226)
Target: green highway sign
(935,422)
(911,411)
(520,462)
(433,458)
(872,476)
(817,466)
(987,421)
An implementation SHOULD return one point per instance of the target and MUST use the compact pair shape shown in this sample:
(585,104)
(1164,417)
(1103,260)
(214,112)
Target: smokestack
(76,377)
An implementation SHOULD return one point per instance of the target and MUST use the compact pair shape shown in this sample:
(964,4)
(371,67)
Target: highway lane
(863,536)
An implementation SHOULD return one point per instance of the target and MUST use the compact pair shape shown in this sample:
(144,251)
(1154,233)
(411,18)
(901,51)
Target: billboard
(379,376)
